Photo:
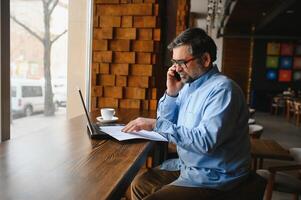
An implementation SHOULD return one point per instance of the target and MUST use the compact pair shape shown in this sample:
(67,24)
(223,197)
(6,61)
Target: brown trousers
(153,184)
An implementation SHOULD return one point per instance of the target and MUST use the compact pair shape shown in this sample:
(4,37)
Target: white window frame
(79,55)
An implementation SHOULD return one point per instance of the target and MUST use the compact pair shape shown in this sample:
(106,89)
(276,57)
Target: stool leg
(269,188)
(260,163)
(255,163)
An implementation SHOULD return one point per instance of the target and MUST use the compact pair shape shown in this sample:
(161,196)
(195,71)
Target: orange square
(273,48)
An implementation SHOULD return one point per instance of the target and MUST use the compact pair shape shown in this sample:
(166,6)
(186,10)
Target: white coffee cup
(107,113)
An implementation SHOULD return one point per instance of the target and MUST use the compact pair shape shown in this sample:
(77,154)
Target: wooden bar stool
(251,112)
(255,131)
(251,189)
(278,104)
(251,121)
(289,109)
(283,182)
(297,112)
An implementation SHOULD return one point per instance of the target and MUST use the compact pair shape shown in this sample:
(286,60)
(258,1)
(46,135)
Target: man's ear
(206,58)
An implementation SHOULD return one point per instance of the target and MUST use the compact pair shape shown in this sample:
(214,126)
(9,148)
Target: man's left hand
(139,124)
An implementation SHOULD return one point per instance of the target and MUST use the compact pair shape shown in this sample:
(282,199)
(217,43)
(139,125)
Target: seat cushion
(283,182)
(250,189)
(296,153)
(255,128)
(251,121)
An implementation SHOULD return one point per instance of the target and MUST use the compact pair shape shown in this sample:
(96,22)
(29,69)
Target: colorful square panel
(297,76)
(285,75)
(286,62)
(298,49)
(273,48)
(271,75)
(287,49)
(297,62)
(272,62)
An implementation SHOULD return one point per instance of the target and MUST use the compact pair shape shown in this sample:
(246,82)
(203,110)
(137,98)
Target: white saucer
(101,120)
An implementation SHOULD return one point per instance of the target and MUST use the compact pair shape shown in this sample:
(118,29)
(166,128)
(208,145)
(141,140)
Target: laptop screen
(86,112)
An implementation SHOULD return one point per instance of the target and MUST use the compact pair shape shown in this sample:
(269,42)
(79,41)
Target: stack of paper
(115,132)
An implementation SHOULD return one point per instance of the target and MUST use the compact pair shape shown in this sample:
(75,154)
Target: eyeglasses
(182,63)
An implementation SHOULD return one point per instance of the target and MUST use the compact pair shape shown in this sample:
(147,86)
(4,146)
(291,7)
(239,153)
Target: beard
(187,79)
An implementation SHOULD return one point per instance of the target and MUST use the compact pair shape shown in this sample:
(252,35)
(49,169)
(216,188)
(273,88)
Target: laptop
(94,130)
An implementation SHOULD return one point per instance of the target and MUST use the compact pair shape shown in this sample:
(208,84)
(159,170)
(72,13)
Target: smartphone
(177,76)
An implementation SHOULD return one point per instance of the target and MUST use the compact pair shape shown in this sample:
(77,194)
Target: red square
(285,75)
(287,49)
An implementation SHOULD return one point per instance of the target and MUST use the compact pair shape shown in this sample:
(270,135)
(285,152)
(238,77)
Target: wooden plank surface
(61,162)
(262,148)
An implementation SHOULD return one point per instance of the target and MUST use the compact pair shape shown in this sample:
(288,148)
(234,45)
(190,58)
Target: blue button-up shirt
(208,121)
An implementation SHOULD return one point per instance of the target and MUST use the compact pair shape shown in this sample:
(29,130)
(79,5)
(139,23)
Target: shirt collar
(203,78)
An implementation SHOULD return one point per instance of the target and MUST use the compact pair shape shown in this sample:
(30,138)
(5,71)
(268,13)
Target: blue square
(271,75)
(286,62)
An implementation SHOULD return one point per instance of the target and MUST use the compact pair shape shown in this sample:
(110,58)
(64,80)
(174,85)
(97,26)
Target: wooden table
(63,163)
(261,149)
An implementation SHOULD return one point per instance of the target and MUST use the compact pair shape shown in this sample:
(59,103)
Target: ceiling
(199,9)
(279,18)
(198,6)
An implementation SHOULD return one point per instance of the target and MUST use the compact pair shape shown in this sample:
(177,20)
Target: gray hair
(198,43)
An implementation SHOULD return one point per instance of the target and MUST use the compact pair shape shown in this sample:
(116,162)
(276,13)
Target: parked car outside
(59,91)
(27,96)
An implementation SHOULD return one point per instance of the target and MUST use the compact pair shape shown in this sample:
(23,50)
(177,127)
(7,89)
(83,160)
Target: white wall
(200,6)
(219,44)
(78,44)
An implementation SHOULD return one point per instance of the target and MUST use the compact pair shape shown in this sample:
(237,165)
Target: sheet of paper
(115,132)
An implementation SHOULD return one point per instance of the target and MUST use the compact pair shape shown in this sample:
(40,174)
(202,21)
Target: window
(32,91)
(37,63)
(13,92)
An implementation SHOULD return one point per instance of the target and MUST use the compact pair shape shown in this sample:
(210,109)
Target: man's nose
(179,68)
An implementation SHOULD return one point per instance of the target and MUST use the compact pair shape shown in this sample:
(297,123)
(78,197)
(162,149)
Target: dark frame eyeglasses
(182,63)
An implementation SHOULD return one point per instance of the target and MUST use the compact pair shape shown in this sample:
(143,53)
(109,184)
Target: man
(204,113)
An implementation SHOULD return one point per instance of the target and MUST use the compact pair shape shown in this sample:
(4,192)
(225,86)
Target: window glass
(32,91)
(13,92)
(38,59)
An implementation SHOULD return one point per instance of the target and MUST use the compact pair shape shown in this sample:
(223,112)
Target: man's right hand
(173,85)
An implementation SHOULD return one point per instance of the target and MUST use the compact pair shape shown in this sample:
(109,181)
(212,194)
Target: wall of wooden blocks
(182,15)
(126,36)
